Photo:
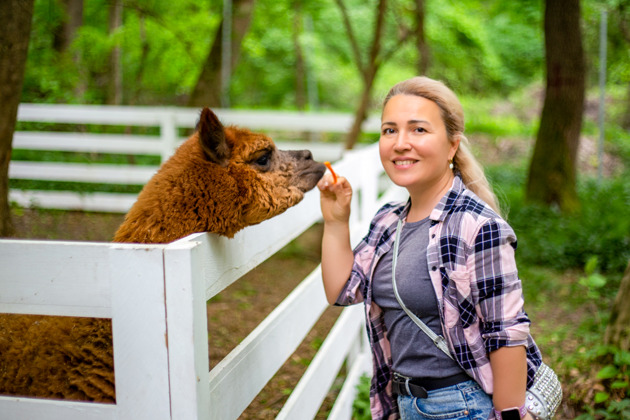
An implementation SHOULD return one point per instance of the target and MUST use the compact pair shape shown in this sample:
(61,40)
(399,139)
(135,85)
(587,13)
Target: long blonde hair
(464,162)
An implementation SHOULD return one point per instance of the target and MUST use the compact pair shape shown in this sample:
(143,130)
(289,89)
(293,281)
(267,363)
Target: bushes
(601,228)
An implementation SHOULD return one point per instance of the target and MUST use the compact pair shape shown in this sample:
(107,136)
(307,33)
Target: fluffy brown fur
(219,180)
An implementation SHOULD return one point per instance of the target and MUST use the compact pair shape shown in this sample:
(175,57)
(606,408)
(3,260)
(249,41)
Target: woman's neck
(424,200)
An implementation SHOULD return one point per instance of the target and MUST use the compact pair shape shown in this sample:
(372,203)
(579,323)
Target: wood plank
(187,331)
(186,117)
(312,388)
(342,409)
(232,258)
(80,172)
(257,358)
(55,277)
(68,200)
(87,142)
(139,331)
(44,409)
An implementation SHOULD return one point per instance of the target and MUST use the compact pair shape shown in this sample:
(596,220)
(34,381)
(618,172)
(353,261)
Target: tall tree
(114,83)
(15,29)
(368,67)
(71,21)
(552,171)
(300,65)
(207,91)
(623,14)
(618,329)
(424,52)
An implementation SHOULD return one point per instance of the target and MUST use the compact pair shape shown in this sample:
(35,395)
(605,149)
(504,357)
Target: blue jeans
(463,401)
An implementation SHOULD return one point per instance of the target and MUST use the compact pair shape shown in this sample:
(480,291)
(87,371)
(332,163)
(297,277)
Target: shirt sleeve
(500,295)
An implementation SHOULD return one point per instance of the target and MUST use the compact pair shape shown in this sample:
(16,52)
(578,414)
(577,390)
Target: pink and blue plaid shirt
(472,268)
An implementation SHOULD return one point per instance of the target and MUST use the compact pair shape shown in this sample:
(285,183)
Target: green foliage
(361,404)
(613,402)
(601,228)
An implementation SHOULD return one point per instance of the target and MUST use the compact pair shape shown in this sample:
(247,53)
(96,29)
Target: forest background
(343,55)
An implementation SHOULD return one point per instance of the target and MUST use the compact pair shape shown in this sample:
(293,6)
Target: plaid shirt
(472,268)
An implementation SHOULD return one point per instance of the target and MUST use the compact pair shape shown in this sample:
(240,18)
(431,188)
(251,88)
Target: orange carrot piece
(331,171)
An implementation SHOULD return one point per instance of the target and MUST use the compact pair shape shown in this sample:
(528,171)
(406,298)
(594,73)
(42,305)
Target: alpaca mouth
(308,178)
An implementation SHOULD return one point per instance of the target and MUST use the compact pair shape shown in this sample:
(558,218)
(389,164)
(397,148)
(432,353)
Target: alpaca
(220,180)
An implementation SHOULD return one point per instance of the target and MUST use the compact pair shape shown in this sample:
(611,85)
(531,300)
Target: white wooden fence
(156,297)
(168,120)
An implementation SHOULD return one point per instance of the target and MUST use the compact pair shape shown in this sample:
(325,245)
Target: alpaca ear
(212,138)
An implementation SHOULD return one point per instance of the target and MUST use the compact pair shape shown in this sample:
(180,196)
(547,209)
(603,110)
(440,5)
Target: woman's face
(414,148)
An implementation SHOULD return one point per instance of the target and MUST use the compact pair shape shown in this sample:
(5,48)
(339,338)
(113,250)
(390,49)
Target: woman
(454,269)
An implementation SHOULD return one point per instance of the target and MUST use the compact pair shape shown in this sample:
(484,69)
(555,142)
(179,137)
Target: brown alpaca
(219,180)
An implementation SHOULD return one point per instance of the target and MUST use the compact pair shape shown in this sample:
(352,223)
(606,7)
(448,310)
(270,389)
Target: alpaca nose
(303,154)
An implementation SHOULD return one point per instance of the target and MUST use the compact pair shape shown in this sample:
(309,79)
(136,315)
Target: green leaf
(619,385)
(608,372)
(591,265)
(600,397)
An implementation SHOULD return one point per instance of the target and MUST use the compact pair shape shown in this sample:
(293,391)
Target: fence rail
(169,284)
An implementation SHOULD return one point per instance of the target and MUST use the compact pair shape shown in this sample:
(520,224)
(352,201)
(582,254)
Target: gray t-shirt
(413,352)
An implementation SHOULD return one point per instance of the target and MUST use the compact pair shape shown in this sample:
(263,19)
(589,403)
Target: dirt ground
(232,314)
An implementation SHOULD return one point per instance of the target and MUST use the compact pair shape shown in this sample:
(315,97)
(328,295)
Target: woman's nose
(401,143)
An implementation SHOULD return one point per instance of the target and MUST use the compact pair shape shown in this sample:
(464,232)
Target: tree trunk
(368,72)
(114,88)
(424,53)
(552,171)
(15,30)
(300,66)
(618,330)
(71,22)
(207,91)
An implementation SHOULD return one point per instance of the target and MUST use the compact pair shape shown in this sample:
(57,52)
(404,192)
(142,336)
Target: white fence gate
(156,297)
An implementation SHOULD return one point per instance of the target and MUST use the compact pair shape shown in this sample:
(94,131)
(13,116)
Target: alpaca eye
(262,160)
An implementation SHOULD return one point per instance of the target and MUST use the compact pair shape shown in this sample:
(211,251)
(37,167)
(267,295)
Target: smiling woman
(462,347)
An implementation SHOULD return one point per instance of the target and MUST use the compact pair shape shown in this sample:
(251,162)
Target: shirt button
(433,236)
(434,268)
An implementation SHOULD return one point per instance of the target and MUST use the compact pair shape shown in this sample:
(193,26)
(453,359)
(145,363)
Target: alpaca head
(220,180)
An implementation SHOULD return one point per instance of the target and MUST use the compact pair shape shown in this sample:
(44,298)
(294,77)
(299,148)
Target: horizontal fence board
(257,358)
(43,409)
(312,388)
(342,409)
(67,200)
(140,145)
(81,172)
(188,117)
(94,114)
(88,142)
(236,256)
(54,277)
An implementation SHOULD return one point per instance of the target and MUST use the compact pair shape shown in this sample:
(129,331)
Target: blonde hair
(464,162)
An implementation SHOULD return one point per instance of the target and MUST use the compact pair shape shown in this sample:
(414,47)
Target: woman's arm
(509,370)
(337,255)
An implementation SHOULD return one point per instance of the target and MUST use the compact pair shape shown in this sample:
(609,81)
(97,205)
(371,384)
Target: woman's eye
(420,130)
(388,131)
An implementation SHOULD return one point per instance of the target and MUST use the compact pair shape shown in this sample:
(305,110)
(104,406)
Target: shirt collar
(446,203)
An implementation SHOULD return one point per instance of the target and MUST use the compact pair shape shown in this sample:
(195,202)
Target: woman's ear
(455,145)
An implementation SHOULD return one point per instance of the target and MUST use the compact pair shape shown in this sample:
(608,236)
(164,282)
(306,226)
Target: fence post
(187,331)
(168,134)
